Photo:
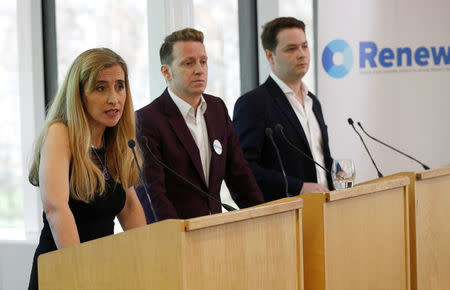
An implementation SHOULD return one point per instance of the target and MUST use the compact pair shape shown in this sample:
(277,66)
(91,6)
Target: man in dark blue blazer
(284,99)
(192,133)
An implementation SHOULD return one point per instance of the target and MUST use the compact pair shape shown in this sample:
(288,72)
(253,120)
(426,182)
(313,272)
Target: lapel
(319,117)
(181,130)
(213,128)
(284,105)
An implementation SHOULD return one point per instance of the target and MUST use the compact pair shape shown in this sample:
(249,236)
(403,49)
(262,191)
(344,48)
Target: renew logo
(337,47)
(401,56)
(337,58)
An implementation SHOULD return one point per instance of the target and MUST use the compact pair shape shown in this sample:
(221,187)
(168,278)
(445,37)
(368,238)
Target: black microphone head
(350,121)
(359,124)
(269,132)
(131,143)
(279,127)
(143,139)
(228,207)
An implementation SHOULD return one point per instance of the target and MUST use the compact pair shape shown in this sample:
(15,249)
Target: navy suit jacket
(264,107)
(171,141)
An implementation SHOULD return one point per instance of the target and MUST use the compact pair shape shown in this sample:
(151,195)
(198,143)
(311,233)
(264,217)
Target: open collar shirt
(197,126)
(310,125)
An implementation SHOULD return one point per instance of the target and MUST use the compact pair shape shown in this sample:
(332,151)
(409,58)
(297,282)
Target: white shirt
(309,124)
(197,127)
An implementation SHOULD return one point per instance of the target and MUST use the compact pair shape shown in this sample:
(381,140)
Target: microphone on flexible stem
(132,144)
(350,121)
(279,128)
(269,134)
(390,147)
(144,140)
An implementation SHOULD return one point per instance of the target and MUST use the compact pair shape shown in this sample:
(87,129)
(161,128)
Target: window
(118,25)
(11,173)
(218,21)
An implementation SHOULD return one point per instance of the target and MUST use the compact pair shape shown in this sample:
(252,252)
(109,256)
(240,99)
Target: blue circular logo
(340,70)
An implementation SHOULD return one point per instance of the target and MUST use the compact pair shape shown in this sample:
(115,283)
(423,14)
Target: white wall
(408,110)
(16,258)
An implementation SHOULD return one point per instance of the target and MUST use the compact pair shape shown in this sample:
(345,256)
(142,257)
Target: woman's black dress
(94,220)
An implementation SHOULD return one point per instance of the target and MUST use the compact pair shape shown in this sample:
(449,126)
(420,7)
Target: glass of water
(343,173)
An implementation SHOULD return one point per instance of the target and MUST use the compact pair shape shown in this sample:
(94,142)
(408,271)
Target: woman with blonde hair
(81,162)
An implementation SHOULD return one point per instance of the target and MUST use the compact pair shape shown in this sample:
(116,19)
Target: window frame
(32,105)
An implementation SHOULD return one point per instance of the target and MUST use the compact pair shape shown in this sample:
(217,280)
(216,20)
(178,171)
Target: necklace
(105,172)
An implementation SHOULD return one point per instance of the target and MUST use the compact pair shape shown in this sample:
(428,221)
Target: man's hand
(313,187)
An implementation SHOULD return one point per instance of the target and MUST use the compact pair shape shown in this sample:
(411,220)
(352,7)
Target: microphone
(350,121)
(269,134)
(390,147)
(144,140)
(132,144)
(279,128)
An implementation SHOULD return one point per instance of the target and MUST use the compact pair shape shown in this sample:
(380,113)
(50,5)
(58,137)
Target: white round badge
(217,147)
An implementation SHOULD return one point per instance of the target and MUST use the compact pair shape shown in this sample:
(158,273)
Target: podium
(430,241)
(358,238)
(429,216)
(254,248)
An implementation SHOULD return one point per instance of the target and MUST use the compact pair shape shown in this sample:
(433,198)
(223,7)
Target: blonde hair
(86,179)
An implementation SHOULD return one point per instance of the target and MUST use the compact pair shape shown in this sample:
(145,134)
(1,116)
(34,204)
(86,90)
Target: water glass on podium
(343,173)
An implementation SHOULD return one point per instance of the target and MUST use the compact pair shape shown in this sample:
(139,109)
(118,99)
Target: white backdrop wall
(406,106)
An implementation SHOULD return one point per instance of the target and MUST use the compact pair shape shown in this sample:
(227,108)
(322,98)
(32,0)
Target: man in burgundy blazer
(171,139)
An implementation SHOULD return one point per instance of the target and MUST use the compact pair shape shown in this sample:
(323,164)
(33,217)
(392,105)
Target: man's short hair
(187,34)
(272,28)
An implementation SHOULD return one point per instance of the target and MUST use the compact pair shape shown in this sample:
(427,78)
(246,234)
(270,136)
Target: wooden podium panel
(254,254)
(432,197)
(357,238)
(254,248)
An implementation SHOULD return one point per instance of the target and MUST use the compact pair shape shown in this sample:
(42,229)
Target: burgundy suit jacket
(171,141)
